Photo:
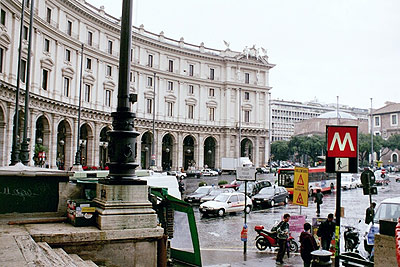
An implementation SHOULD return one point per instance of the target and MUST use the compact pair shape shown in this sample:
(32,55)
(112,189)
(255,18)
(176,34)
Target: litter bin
(321,257)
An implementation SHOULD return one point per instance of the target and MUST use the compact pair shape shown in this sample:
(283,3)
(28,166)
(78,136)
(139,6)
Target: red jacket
(308,245)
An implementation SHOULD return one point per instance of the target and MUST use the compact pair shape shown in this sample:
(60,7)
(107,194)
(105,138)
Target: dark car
(198,194)
(254,187)
(269,196)
(194,173)
(262,170)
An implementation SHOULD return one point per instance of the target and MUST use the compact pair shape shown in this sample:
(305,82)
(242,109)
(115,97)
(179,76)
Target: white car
(209,172)
(348,181)
(226,203)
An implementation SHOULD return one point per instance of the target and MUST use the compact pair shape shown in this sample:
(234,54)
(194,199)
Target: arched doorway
(61,144)
(146,150)
(246,148)
(42,136)
(167,152)
(104,139)
(85,144)
(188,153)
(209,152)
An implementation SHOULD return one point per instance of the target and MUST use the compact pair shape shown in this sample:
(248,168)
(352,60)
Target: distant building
(317,125)
(386,123)
(286,114)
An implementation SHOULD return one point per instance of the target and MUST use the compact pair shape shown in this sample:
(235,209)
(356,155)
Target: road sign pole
(338,204)
(245,215)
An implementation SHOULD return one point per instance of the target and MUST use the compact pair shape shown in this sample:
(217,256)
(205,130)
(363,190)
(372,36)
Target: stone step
(80,262)
(54,256)
(90,263)
(31,252)
(67,259)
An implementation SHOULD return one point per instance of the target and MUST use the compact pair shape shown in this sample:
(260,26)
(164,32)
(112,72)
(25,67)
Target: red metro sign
(342,142)
(342,149)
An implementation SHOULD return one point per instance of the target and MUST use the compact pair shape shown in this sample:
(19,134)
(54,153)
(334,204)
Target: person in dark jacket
(326,231)
(369,213)
(282,235)
(318,199)
(308,245)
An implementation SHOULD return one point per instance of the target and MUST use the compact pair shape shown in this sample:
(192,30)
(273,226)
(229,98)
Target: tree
(307,147)
(364,146)
(280,150)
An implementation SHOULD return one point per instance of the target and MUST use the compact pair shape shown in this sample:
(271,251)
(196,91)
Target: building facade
(286,114)
(385,122)
(196,98)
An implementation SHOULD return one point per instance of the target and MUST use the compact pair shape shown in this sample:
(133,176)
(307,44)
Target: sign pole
(338,202)
(245,215)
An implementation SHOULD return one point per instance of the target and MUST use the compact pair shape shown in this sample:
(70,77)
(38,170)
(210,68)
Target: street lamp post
(25,143)
(372,139)
(78,145)
(15,145)
(122,142)
(153,154)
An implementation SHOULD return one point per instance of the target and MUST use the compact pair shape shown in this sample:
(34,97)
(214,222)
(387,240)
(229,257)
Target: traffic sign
(342,149)
(246,173)
(300,189)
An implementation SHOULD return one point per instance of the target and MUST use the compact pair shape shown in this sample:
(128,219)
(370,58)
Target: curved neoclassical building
(198,98)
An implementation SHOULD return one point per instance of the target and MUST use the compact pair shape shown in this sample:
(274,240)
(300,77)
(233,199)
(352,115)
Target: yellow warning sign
(300,190)
(300,199)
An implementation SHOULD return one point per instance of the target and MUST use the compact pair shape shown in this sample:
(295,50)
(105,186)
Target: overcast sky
(322,48)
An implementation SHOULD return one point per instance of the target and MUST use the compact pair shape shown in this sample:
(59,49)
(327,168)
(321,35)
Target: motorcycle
(269,239)
(351,239)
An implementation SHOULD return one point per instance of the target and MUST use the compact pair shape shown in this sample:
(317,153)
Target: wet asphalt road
(216,233)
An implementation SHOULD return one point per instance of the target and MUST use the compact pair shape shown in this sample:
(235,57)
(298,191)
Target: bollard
(321,257)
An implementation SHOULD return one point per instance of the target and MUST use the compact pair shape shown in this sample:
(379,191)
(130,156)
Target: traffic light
(368,180)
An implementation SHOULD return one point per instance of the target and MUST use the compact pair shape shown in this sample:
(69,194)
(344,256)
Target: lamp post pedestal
(124,207)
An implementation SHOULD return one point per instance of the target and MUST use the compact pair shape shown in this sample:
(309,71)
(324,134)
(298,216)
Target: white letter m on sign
(342,145)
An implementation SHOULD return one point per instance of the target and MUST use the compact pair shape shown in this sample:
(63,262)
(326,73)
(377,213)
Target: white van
(388,209)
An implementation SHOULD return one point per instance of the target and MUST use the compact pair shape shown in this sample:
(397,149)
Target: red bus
(317,179)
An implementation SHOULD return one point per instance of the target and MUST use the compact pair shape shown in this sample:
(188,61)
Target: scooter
(351,239)
(269,239)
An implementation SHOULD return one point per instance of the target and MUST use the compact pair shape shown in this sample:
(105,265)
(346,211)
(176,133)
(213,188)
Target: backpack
(276,226)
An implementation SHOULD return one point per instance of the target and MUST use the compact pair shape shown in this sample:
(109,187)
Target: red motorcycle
(269,239)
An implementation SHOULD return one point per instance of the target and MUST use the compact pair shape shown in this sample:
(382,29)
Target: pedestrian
(318,199)
(282,236)
(326,231)
(308,245)
(369,213)
(181,185)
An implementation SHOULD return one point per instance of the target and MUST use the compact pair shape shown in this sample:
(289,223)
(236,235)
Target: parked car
(177,174)
(193,173)
(198,194)
(218,170)
(226,203)
(348,181)
(269,196)
(262,170)
(214,193)
(209,172)
(254,187)
(388,209)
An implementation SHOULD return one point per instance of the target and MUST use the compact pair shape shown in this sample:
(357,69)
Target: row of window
(190,110)
(393,120)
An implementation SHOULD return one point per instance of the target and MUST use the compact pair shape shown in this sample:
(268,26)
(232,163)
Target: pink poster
(296,223)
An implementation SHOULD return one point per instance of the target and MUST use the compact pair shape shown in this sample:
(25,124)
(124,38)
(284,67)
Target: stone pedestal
(124,207)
